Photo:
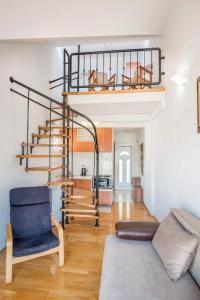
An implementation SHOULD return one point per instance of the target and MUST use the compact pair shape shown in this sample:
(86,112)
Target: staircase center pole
(64,139)
(27,129)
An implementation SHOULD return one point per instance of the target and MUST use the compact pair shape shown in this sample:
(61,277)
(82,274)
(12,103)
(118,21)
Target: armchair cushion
(30,211)
(34,245)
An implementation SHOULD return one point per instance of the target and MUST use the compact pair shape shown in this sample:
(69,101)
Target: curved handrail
(12,80)
(52,110)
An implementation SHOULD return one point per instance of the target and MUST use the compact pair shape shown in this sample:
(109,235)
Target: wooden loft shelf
(127,91)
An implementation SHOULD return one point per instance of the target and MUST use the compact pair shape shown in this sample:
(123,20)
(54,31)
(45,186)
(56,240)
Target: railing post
(50,114)
(72,150)
(68,133)
(63,140)
(123,68)
(97,185)
(78,66)
(27,128)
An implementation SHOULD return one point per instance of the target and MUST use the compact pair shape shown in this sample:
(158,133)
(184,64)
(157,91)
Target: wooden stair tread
(40,156)
(53,127)
(70,115)
(79,197)
(60,182)
(79,210)
(81,216)
(79,191)
(61,119)
(44,169)
(69,201)
(80,204)
(44,145)
(44,136)
(54,120)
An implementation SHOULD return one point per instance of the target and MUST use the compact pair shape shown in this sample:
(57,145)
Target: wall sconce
(180,78)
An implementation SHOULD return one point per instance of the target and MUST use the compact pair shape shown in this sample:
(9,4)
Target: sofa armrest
(141,231)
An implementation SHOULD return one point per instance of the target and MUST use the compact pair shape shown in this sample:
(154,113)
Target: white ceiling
(50,19)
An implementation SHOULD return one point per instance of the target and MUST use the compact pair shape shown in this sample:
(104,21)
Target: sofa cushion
(192,224)
(188,220)
(195,268)
(132,270)
(28,246)
(175,246)
(142,231)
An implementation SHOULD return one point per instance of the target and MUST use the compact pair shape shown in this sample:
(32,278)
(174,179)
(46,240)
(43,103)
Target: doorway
(123,166)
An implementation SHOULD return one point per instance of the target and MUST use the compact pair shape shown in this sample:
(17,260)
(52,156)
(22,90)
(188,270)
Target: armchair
(101,78)
(30,233)
(140,75)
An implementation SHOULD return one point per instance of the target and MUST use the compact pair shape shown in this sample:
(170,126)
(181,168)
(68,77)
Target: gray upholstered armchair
(30,233)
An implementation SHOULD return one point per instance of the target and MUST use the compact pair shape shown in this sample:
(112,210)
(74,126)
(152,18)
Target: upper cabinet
(83,141)
(105,139)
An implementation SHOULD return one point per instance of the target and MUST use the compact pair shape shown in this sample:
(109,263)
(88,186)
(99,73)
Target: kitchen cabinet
(104,139)
(105,197)
(83,184)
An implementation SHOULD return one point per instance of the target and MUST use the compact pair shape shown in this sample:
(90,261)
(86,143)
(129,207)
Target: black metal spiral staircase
(57,134)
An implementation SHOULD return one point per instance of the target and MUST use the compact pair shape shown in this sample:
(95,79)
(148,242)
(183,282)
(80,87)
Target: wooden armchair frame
(11,260)
(93,80)
(139,78)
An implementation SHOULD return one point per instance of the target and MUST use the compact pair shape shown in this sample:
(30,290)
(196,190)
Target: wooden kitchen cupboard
(83,184)
(104,139)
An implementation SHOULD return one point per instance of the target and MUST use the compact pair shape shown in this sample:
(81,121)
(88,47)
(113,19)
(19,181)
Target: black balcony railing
(113,69)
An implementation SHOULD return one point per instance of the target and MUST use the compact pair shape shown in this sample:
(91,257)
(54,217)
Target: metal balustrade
(113,69)
(110,70)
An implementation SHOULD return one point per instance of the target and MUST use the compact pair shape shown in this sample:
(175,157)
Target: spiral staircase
(53,143)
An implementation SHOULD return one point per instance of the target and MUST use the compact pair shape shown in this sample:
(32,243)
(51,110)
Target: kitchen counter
(85,183)
(83,177)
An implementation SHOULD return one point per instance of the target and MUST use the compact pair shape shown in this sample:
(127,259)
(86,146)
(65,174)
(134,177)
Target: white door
(123,166)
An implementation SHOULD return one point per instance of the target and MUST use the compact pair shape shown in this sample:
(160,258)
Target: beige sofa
(132,270)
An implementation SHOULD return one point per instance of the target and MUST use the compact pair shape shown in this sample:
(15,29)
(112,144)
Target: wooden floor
(41,279)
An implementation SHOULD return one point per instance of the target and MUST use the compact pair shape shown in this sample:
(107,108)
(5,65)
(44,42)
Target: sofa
(133,270)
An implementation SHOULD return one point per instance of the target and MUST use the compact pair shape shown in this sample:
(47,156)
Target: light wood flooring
(79,278)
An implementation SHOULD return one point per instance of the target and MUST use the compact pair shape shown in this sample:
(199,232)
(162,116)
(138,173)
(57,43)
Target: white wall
(175,142)
(29,64)
(87,159)
(65,18)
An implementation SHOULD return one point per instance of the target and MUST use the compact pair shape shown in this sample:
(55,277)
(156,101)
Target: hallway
(120,195)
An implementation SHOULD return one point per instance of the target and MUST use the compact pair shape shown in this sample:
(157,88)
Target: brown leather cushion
(141,231)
